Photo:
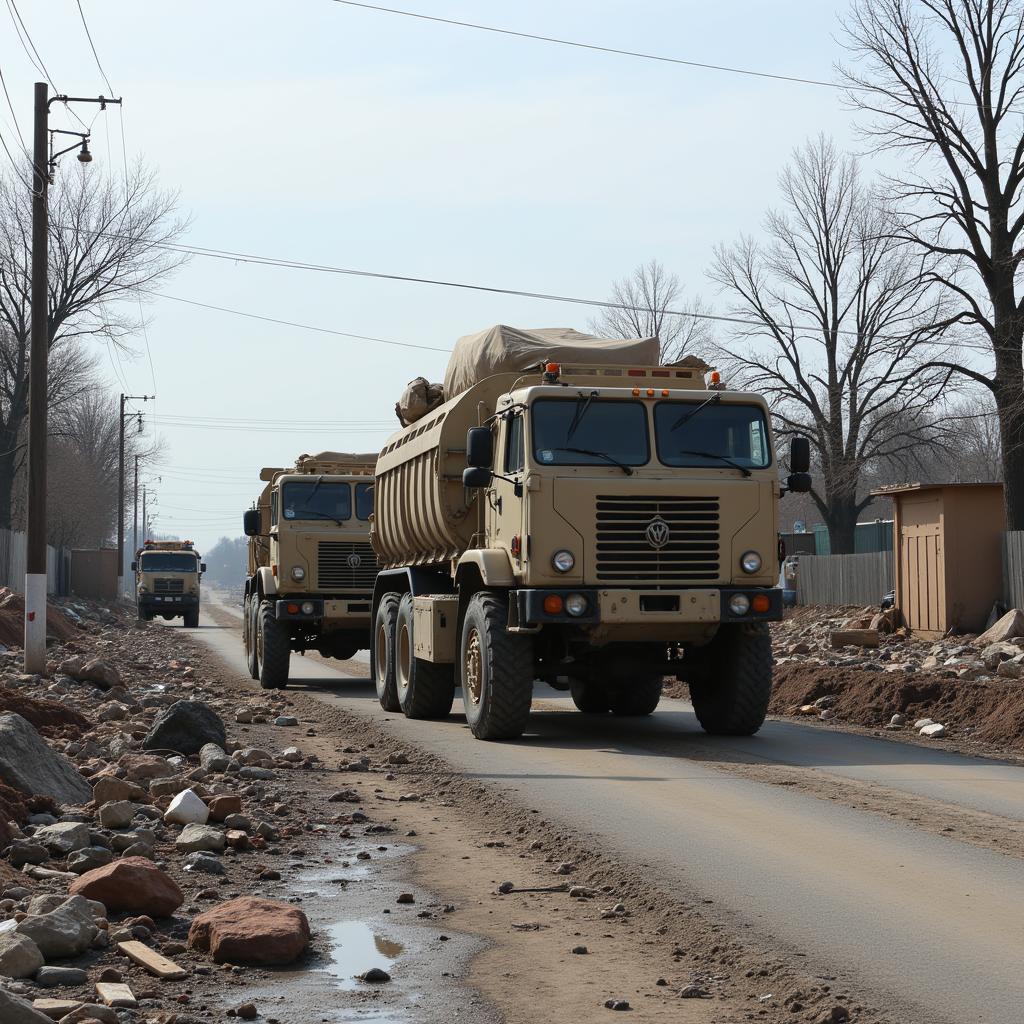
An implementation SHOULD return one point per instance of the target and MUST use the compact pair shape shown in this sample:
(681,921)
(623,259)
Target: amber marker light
(716,377)
(760,603)
(650,392)
(636,392)
(553,604)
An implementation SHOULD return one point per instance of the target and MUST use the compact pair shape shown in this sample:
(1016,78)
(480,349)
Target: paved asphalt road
(911,920)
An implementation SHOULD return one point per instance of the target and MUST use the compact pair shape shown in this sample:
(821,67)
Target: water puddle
(355,948)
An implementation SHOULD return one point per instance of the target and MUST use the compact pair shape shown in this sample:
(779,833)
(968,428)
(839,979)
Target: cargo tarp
(340,459)
(502,349)
(418,398)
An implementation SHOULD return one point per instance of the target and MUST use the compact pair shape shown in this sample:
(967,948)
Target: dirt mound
(50,718)
(12,620)
(15,806)
(992,710)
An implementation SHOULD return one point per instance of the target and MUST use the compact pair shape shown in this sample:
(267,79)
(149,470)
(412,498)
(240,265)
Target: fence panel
(844,579)
(1013,568)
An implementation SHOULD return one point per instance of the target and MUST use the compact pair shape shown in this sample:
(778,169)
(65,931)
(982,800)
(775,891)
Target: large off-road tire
(425,689)
(591,698)
(252,608)
(191,619)
(382,654)
(636,696)
(274,649)
(495,670)
(145,616)
(731,693)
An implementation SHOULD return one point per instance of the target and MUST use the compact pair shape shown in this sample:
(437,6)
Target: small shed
(94,573)
(947,554)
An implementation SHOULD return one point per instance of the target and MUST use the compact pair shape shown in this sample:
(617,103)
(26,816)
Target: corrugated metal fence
(844,579)
(13,545)
(1013,568)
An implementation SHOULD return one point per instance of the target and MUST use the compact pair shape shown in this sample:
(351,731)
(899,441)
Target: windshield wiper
(715,455)
(690,413)
(628,470)
(312,513)
(582,405)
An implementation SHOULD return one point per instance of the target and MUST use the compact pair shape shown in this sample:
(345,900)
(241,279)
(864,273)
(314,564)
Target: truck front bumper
(635,606)
(168,602)
(318,609)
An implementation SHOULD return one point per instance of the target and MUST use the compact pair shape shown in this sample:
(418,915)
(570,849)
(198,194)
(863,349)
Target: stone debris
(132,884)
(29,765)
(187,808)
(251,930)
(186,726)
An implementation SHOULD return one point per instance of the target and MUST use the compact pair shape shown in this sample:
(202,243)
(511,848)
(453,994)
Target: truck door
(506,507)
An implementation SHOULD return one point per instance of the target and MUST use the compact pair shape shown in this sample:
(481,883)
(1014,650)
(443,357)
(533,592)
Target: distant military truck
(311,568)
(579,514)
(167,574)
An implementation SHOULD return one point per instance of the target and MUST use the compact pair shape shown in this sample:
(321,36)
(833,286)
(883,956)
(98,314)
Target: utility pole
(43,163)
(120,490)
(144,526)
(135,510)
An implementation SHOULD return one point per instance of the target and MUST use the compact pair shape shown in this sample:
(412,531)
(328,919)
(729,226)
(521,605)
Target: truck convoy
(311,568)
(167,574)
(577,513)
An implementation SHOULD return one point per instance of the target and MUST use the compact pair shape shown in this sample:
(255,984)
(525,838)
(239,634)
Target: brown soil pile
(12,620)
(50,718)
(993,710)
(16,807)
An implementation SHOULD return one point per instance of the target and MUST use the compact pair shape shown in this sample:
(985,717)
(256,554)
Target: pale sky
(312,131)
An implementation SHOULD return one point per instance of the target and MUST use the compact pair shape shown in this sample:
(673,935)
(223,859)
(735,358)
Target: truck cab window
(364,501)
(273,509)
(514,444)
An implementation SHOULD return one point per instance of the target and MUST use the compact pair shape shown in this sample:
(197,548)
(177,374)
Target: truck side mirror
(479,449)
(202,567)
(476,476)
(251,522)
(798,483)
(135,566)
(799,456)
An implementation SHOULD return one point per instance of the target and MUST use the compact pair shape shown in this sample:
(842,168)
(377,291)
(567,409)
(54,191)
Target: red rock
(222,806)
(250,930)
(133,884)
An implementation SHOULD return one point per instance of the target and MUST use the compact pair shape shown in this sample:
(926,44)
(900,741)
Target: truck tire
(192,619)
(635,697)
(383,652)
(274,649)
(495,670)
(731,693)
(591,698)
(249,633)
(425,689)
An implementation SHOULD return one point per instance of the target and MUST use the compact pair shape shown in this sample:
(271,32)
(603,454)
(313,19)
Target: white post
(35,622)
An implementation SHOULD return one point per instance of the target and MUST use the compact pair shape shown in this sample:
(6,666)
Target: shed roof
(892,490)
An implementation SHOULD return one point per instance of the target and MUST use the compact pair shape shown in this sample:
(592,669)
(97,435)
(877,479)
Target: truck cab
(167,575)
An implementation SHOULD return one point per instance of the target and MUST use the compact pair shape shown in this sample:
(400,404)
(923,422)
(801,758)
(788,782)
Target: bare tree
(841,327)
(649,303)
(943,81)
(108,248)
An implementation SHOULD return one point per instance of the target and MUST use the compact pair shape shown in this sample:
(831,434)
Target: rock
(286,720)
(237,839)
(692,992)
(617,1004)
(53,977)
(24,852)
(131,884)
(375,976)
(580,950)
(221,807)
(108,788)
(29,765)
(853,638)
(398,757)
(64,932)
(405,897)
(19,956)
(195,838)
(999,652)
(89,859)
(922,722)
(898,720)
(247,1011)
(15,1010)
(1010,670)
(98,672)
(213,758)
(1009,626)
(251,772)
(186,726)
(146,766)
(90,1013)
(117,814)
(206,863)
(187,808)
(933,731)
(345,796)
(251,930)
(112,711)
(833,1015)
(64,837)
(291,754)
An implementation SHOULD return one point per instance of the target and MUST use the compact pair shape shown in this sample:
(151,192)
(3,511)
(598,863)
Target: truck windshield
(590,431)
(316,499)
(168,561)
(364,501)
(720,434)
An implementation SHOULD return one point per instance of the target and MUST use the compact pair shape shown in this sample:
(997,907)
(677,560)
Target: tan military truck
(577,513)
(167,574)
(311,568)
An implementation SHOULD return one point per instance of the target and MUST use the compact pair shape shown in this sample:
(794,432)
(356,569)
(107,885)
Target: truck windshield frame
(168,561)
(364,501)
(734,431)
(614,428)
(316,498)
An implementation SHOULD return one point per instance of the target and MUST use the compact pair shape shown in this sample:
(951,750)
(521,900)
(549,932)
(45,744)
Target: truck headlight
(576,604)
(750,562)
(739,604)
(307,607)
(563,561)
(298,573)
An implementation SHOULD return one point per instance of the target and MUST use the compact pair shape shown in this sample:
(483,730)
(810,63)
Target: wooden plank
(115,993)
(157,965)
(56,1008)
(854,638)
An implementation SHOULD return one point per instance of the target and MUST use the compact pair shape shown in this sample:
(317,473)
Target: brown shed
(94,573)
(947,558)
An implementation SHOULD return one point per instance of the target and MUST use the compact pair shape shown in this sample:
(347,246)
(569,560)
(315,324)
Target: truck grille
(657,540)
(345,565)
(168,586)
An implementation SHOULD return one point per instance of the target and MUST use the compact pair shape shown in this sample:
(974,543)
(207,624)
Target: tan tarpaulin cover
(341,458)
(418,398)
(501,349)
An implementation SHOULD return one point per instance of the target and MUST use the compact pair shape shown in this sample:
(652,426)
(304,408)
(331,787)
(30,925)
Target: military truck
(167,574)
(588,518)
(311,568)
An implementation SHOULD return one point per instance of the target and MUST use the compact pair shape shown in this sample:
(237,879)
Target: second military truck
(167,574)
(576,513)
(311,568)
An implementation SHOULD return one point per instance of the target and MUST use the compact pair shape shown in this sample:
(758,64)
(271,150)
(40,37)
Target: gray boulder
(54,977)
(15,1010)
(213,758)
(65,837)
(186,726)
(91,857)
(19,956)
(65,932)
(200,838)
(30,766)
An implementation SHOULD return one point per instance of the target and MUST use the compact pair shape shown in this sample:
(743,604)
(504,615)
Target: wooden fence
(844,579)
(1013,568)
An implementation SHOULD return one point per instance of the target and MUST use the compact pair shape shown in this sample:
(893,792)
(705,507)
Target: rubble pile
(857,665)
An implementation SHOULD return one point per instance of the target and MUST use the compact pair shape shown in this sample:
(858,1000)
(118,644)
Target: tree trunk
(841,519)
(1009,395)
(8,470)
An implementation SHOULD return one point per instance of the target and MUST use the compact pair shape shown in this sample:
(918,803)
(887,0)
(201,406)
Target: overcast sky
(313,131)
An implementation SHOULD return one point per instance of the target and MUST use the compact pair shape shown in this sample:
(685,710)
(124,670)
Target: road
(909,919)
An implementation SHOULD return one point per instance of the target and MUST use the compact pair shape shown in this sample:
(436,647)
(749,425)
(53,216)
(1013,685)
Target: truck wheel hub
(472,667)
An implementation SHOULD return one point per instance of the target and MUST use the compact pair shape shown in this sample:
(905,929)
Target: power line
(92,46)
(14,115)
